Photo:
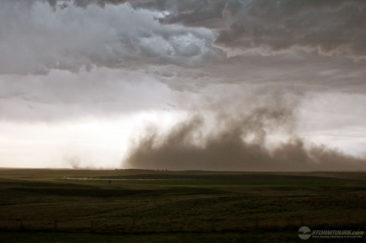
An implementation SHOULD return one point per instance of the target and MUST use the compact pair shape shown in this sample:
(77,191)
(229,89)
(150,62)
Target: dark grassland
(184,206)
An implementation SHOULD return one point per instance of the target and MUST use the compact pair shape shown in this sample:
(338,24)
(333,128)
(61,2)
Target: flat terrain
(181,206)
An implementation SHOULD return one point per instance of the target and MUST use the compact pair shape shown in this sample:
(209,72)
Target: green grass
(183,206)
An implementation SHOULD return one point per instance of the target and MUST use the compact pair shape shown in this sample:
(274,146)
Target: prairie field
(39,205)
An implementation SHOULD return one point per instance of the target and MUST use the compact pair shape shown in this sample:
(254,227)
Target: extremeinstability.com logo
(306,233)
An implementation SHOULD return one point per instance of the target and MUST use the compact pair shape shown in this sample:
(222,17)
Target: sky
(183,84)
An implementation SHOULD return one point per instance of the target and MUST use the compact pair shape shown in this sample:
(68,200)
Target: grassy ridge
(153,205)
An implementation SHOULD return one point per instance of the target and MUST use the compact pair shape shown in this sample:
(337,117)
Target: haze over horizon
(183,84)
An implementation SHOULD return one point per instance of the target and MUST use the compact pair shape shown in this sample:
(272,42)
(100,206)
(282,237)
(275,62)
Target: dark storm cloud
(84,34)
(327,27)
(35,38)
(144,36)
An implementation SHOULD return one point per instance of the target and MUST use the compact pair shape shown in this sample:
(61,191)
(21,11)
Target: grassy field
(182,206)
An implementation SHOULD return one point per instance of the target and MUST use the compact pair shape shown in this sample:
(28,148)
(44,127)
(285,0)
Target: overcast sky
(183,84)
